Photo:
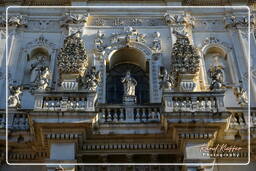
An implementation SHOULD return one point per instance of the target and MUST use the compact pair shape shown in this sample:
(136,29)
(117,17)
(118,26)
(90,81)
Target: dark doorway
(114,87)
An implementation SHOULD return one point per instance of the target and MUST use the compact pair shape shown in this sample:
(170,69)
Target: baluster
(214,107)
(137,116)
(115,115)
(103,115)
(53,103)
(150,113)
(121,116)
(143,114)
(183,104)
(109,115)
(157,114)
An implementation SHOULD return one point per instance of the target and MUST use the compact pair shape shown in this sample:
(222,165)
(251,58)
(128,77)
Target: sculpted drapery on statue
(216,73)
(167,81)
(14,98)
(40,73)
(129,84)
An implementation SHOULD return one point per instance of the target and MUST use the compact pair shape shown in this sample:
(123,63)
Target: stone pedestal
(187,82)
(69,82)
(129,100)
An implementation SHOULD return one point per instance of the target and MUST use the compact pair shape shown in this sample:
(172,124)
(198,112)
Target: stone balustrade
(193,101)
(65,102)
(20,122)
(129,113)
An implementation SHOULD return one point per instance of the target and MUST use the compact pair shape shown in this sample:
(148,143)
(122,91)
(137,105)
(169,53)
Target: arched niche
(30,53)
(37,58)
(216,55)
(127,55)
(136,53)
(121,61)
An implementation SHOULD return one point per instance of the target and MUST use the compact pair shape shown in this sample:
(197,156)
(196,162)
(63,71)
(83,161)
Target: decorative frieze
(130,146)
(74,18)
(40,41)
(198,135)
(239,21)
(193,102)
(215,41)
(126,21)
(178,19)
(65,102)
(14,21)
(62,136)
(43,25)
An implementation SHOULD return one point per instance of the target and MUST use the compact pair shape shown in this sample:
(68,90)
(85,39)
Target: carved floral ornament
(41,41)
(129,37)
(174,19)
(214,41)
(16,21)
(242,21)
(72,57)
(70,18)
(185,61)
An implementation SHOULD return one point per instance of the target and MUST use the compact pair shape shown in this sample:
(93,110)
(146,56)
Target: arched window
(115,90)
(123,60)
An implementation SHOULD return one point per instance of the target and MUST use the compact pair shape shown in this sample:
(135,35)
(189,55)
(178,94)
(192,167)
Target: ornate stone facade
(117,85)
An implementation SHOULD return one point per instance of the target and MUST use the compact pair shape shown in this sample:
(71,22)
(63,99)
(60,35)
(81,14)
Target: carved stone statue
(91,80)
(99,41)
(42,81)
(156,42)
(133,35)
(216,73)
(36,67)
(241,94)
(167,81)
(129,84)
(14,98)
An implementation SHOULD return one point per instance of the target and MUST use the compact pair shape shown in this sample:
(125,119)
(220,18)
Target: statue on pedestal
(42,80)
(36,67)
(129,84)
(216,73)
(14,98)
(90,80)
(241,94)
(167,81)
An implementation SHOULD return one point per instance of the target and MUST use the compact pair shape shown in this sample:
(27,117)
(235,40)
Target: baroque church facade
(154,83)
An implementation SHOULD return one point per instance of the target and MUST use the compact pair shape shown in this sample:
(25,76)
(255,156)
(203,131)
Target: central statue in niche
(129,84)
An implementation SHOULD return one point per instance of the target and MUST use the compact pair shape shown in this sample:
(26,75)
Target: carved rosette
(185,63)
(72,58)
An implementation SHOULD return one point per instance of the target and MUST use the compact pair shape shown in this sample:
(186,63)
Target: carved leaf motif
(185,59)
(72,57)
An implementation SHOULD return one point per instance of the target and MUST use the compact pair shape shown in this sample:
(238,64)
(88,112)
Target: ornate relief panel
(126,21)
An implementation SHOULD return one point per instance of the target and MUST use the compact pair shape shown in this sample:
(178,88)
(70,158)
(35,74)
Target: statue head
(128,73)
